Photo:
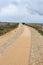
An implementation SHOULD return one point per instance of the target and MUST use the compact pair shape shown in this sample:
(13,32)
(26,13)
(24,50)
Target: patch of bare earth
(36,57)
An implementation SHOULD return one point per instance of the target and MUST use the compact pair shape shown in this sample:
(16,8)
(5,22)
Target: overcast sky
(21,10)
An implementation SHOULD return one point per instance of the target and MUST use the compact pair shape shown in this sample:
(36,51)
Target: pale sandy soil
(36,57)
(15,47)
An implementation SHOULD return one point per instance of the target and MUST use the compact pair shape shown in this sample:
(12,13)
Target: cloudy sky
(21,10)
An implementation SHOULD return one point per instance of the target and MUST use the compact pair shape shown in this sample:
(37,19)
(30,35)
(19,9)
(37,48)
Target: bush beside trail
(38,27)
(6,27)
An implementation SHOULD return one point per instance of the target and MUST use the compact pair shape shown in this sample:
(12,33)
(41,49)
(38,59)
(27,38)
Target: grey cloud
(35,6)
(34,9)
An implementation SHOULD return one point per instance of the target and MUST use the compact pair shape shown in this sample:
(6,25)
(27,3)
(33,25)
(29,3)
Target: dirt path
(18,46)
(36,57)
(7,40)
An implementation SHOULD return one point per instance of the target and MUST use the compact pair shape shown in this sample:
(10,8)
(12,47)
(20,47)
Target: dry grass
(6,27)
(38,27)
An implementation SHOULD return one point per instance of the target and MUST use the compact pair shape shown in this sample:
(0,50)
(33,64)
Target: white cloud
(11,10)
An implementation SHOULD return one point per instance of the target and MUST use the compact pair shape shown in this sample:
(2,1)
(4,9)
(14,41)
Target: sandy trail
(17,45)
